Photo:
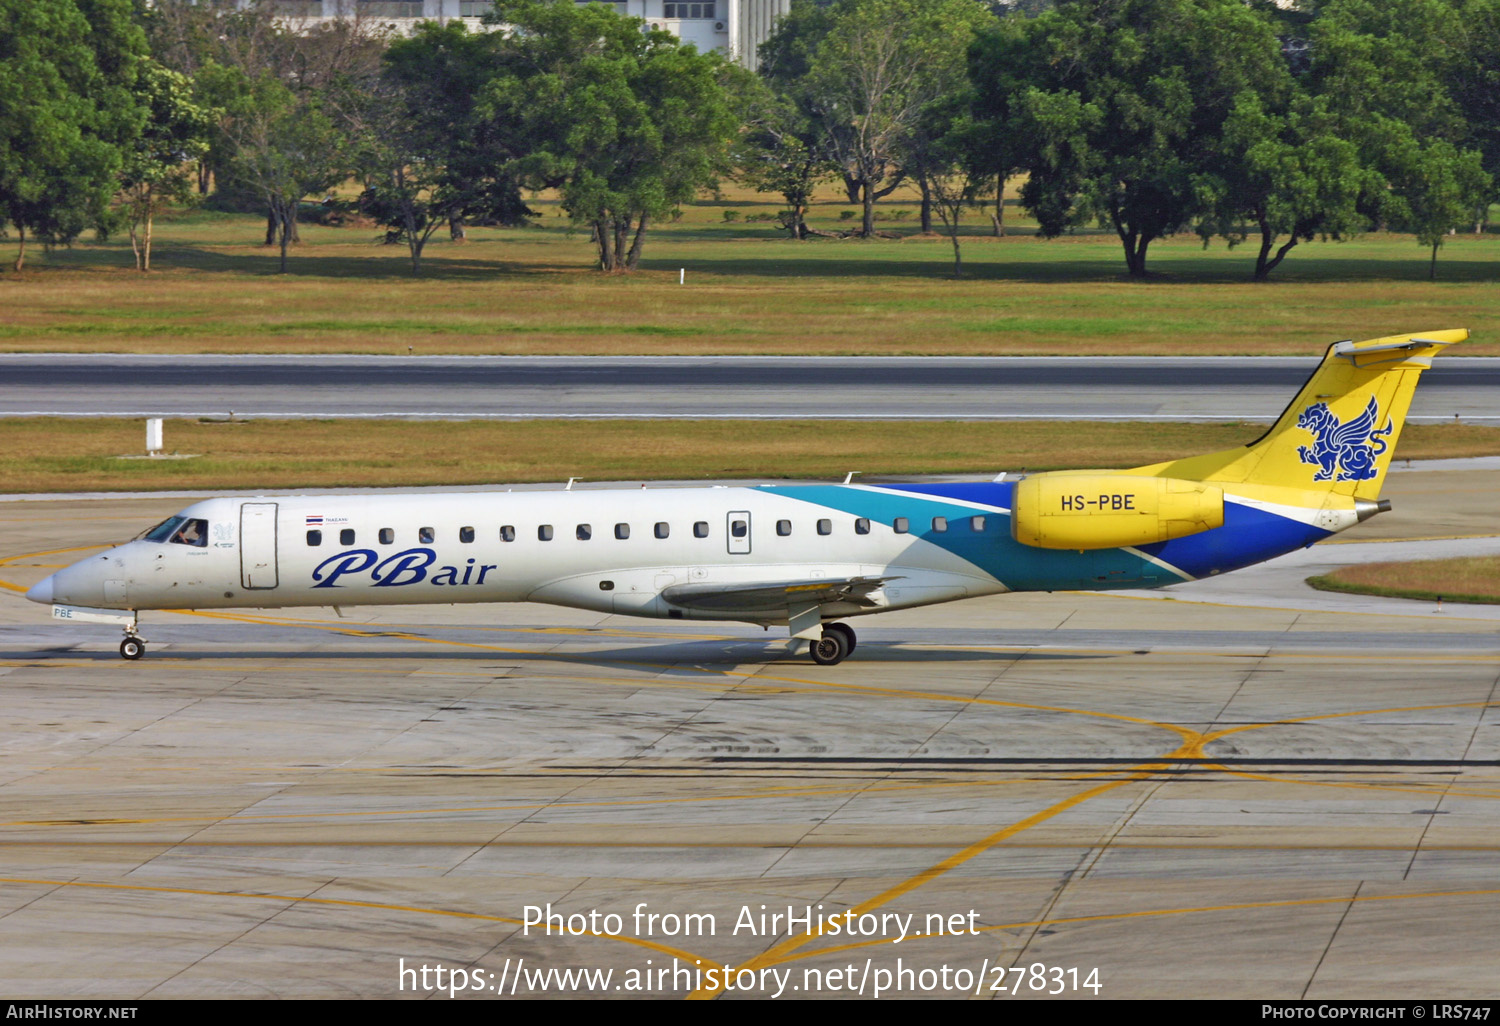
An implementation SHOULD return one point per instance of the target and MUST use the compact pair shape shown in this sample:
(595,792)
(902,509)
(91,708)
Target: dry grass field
(1469,579)
(42,455)
(748,289)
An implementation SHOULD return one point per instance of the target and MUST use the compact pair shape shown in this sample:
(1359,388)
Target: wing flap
(775,595)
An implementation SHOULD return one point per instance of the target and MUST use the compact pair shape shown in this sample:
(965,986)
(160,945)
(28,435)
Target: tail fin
(1338,434)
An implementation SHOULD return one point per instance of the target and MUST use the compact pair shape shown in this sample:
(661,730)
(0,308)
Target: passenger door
(258,545)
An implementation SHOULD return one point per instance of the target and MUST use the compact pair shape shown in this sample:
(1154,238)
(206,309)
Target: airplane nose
(41,591)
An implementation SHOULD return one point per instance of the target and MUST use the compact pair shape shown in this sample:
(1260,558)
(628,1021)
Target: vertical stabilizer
(1340,431)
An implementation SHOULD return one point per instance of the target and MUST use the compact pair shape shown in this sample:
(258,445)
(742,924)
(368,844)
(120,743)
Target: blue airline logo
(409,566)
(1347,449)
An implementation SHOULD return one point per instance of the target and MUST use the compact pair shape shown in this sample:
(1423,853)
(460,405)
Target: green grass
(42,455)
(1468,579)
(749,290)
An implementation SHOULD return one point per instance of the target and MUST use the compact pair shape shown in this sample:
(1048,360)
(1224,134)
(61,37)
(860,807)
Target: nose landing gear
(134,646)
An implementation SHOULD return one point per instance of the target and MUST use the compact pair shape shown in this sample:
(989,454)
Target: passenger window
(862,526)
(425,535)
(700,529)
(346,537)
(507,533)
(825,526)
(466,534)
(976,523)
(901,525)
(585,532)
(387,536)
(195,532)
(783,527)
(544,533)
(940,523)
(315,537)
(622,531)
(662,530)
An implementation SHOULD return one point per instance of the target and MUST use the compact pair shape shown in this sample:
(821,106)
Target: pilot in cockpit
(192,533)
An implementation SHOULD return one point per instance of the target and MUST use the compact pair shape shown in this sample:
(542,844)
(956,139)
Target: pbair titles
(750,921)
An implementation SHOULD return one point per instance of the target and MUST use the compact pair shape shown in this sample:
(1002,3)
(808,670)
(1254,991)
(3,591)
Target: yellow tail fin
(1338,434)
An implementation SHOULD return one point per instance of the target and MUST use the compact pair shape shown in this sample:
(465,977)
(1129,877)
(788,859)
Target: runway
(1195,799)
(1135,388)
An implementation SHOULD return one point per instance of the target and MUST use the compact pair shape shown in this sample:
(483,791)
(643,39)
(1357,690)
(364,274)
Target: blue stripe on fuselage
(1248,536)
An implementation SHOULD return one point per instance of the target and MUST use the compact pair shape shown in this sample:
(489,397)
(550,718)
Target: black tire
(848,632)
(829,649)
(132,648)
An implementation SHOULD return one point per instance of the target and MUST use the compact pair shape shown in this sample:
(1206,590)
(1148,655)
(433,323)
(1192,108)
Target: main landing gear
(834,646)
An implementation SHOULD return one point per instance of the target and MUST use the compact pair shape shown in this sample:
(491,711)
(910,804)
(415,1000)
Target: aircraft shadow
(677,657)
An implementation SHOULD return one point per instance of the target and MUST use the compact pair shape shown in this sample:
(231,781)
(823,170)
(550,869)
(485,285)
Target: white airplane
(803,556)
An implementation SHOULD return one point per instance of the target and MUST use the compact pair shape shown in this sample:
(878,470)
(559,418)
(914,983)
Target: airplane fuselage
(644,552)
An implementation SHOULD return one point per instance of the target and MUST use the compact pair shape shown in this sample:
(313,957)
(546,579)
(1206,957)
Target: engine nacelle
(1106,511)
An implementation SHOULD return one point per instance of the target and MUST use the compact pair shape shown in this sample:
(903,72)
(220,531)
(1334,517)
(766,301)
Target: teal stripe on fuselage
(1019,567)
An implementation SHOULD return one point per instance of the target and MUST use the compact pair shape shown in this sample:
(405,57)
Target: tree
(67,110)
(460,165)
(1436,192)
(1123,101)
(959,162)
(405,180)
(625,123)
(996,84)
(1294,174)
(1395,71)
(226,48)
(863,71)
(1474,83)
(221,48)
(778,152)
(285,147)
(156,171)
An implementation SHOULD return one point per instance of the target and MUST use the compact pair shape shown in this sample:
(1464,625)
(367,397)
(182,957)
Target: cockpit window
(192,532)
(162,531)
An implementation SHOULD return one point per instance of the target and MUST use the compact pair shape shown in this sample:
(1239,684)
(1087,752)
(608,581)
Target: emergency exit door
(739,533)
(258,545)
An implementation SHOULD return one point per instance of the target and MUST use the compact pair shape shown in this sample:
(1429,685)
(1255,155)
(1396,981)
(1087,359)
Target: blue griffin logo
(1346,449)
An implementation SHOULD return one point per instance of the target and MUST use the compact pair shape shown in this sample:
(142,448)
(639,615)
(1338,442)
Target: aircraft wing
(778,595)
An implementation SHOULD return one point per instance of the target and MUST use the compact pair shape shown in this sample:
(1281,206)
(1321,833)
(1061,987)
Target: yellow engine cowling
(1105,511)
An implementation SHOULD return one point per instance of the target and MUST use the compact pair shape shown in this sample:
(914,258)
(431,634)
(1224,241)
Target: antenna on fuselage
(849,477)
(569,486)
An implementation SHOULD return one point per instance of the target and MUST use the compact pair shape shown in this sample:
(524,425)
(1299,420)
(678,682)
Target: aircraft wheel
(847,632)
(132,648)
(829,649)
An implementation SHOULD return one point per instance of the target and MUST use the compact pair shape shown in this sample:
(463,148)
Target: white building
(737,27)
